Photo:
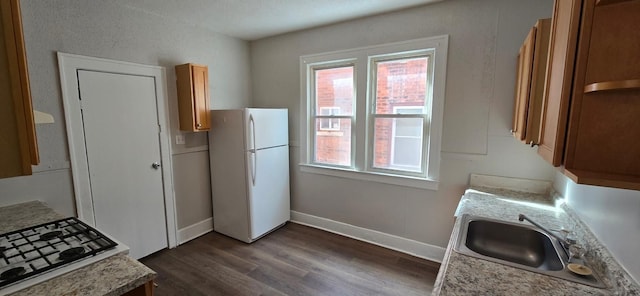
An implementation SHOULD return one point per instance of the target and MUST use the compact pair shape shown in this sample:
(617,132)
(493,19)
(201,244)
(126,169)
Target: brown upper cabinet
(557,91)
(591,102)
(531,71)
(193,97)
(603,139)
(18,144)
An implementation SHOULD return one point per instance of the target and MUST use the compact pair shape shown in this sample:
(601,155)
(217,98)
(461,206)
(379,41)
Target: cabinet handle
(612,85)
(198,125)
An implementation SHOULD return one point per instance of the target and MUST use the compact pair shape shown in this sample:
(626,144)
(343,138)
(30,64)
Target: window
(375,113)
(333,98)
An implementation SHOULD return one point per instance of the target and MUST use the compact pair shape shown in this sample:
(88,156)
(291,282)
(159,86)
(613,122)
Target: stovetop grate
(37,249)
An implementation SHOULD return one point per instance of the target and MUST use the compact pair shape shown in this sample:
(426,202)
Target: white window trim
(361,56)
(311,128)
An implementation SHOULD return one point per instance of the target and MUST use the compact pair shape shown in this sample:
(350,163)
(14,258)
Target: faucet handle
(567,235)
(577,251)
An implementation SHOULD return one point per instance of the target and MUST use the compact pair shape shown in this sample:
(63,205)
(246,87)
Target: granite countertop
(115,275)
(464,275)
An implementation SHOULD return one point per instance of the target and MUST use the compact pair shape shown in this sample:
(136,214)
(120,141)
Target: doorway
(120,152)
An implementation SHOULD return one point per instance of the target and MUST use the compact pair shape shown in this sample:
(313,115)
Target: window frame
(372,115)
(360,59)
(311,127)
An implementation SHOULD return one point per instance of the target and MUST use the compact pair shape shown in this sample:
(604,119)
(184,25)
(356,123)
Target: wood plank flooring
(293,260)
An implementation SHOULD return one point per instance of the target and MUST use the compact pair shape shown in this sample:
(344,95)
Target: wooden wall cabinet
(18,144)
(603,138)
(531,72)
(591,106)
(557,92)
(193,97)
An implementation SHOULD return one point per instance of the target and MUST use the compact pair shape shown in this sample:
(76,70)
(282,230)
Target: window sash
(315,112)
(426,125)
(424,114)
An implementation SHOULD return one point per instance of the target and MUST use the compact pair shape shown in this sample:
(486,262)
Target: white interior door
(119,114)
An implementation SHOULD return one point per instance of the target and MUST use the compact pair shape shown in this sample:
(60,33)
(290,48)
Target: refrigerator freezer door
(268,183)
(266,128)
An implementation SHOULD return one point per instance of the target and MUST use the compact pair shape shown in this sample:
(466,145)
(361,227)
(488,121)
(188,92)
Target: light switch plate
(180,139)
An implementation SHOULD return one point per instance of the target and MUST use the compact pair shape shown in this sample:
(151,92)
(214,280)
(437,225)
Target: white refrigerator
(249,159)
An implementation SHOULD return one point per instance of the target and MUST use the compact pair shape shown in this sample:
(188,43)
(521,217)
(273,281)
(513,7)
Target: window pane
(333,145)
(400,83)
(398,144)
(329,123)
(334,89)
(408,127)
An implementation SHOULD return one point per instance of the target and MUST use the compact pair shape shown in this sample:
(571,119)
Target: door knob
(155,165)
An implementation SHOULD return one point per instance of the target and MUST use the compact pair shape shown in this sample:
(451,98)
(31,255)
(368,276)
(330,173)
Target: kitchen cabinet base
(144,290)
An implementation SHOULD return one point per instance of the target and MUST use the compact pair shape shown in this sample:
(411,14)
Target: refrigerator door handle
(253,150)
(253,168)
(253,132)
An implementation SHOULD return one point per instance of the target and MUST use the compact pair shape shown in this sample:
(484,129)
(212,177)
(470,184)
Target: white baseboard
(196,230)
(411,247)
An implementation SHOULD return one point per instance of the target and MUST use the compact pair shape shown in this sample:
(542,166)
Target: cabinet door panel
(525,64)
(602,142)
(607,139)
(201,97)
(516,102)
(538,75)
(18,145)
(562,48)
(193,97)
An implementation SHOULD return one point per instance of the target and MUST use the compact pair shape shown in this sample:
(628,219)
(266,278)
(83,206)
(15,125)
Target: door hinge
(159,128)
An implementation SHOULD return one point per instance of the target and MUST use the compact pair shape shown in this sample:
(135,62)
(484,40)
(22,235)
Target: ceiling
(255,19)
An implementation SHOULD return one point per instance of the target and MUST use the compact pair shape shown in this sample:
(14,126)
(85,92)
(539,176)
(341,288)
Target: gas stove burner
(50,235)
(12,273)
(28,252)
(72,253)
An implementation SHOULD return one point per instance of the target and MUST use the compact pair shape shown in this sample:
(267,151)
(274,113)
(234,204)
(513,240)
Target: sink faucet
(565,242)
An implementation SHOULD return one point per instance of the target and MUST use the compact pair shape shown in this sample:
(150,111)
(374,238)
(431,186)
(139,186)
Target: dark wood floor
(294,260)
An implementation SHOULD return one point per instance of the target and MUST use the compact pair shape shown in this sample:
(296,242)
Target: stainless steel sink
(512,243)
(518,245)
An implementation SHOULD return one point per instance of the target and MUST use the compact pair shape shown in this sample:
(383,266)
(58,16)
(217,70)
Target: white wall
(612,214)
(103,29)
(484,40)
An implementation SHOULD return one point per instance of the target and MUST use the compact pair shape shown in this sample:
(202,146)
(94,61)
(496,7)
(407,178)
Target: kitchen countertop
(115,275)
(464,275)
